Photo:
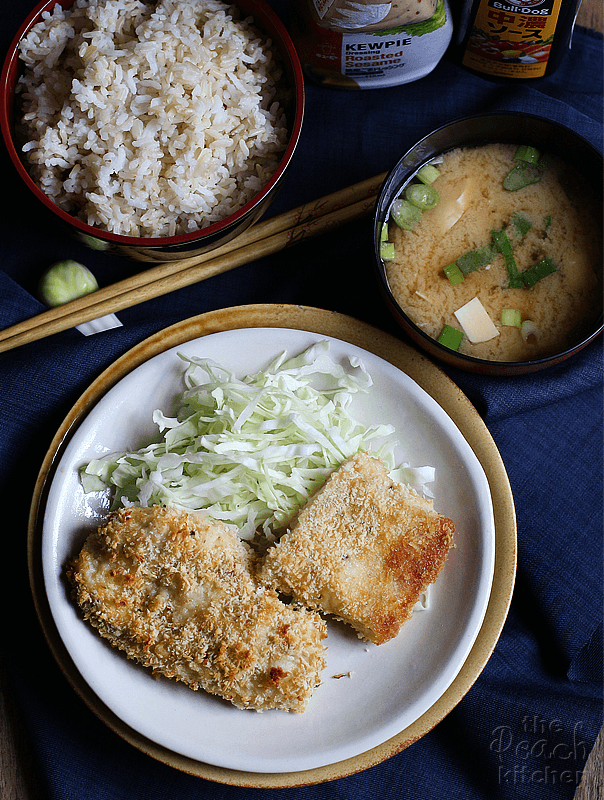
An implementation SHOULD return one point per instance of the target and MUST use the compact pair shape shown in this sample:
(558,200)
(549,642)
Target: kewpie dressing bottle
(368,44)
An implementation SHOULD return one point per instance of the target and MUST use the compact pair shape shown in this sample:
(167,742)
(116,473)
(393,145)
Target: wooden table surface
(591,15)
(17,772)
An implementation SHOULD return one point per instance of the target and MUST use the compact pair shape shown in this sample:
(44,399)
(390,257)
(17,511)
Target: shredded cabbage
(249,451)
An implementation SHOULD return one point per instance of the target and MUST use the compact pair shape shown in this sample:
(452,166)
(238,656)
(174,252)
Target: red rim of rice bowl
(213,234)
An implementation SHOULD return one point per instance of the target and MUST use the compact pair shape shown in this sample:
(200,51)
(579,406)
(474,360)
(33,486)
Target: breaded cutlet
(174,591)
(363,549)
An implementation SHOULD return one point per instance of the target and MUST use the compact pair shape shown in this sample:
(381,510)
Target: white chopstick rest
(98,325)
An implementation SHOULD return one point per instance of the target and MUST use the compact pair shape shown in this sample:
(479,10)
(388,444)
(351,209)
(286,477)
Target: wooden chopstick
(260,240)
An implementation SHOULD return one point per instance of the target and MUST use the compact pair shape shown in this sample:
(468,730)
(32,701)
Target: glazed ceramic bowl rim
(263,15)
(456,358)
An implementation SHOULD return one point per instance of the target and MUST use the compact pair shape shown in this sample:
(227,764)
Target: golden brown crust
(363,549)
(174,591)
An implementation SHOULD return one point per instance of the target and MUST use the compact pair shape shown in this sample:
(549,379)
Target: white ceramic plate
(385,688)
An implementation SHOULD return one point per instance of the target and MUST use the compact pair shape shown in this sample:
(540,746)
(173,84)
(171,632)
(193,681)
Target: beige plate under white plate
(429,378)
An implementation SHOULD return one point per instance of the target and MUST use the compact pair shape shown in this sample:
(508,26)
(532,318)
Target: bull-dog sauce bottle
(515,40)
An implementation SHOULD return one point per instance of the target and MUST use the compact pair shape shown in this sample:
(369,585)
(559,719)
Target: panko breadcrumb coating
(175,592)
(363,549)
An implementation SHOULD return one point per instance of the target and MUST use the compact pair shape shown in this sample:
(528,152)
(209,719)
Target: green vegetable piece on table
(421,195)
(535,273)
(505,248)
(405,215)
(69,280)
(65,281)
(450,337)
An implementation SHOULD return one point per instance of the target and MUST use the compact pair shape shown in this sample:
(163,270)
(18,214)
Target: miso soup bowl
(188,244)
(482,129)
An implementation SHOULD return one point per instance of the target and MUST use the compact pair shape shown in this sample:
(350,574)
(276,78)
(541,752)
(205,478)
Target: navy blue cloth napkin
(525,728)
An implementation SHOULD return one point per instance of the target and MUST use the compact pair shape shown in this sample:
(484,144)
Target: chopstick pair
(262,239)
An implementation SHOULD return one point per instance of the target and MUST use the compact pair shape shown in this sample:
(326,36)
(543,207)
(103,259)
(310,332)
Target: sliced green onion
(511,317)
(528,170)
(451,337)
(528,329)
(548,223)
(505,248)
(387,251)
(538,271)
(519,226)
(476,259)
(454,274)
(527,153)
(428,174)
(405,215)
(386,247)
(521,175)
(422,196)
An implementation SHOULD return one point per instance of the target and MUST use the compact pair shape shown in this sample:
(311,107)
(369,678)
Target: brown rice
(150,119)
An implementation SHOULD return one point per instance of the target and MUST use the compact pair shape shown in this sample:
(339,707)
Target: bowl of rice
(488,243)
(156,130)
